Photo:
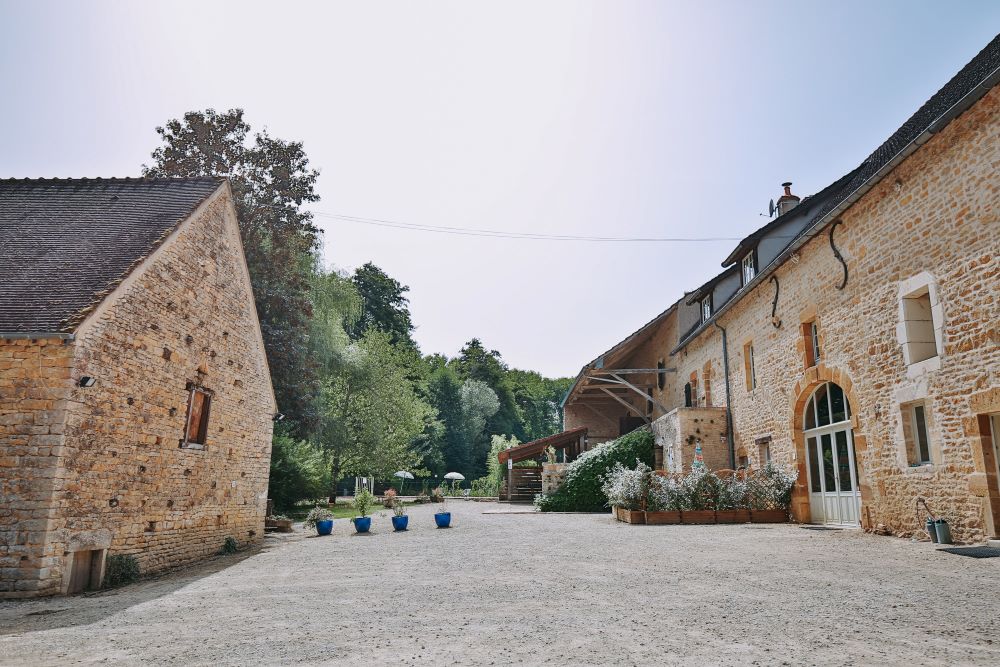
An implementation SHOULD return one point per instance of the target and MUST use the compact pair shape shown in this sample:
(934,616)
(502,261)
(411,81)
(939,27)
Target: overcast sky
(615,118)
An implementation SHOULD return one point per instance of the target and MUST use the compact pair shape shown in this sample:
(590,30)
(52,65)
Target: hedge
(581,490)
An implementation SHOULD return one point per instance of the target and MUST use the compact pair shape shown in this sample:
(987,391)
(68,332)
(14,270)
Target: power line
(493,233)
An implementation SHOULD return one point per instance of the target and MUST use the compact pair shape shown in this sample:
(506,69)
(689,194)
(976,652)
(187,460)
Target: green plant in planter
(701,490)
(363,502)
(437,495)
(398,509)
(627,488)
(317,514)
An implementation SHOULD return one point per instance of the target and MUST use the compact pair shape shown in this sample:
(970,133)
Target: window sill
(192,445)
(921,367)
(920,468)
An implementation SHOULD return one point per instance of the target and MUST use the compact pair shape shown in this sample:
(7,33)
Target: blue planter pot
(362,524)
(399,522)
(442,519)
(324,527)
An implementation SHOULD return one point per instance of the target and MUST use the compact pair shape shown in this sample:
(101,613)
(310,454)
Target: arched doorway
(834,495)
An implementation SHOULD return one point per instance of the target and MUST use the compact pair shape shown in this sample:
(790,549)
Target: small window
(764,450)
(810,335)
(688,395)
(749,268)
(917,442)
(919,325)
(706,308)
(199,407)
(661,375)
(750,370)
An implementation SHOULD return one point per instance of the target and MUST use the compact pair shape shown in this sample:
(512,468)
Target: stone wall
(34,388)
(683,430)
(935,214)
(122,481)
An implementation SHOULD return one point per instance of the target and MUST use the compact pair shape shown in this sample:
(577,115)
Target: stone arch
(803,389)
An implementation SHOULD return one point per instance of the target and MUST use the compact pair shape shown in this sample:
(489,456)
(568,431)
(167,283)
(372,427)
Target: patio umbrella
(454,475)
(403,476)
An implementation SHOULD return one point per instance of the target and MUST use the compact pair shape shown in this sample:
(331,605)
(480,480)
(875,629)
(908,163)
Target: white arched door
(834,497)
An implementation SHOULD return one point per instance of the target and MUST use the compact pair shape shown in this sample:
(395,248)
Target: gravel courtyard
(528,588)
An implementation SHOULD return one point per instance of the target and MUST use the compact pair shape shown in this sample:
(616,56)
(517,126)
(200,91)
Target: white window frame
(749,268)
(918,285)
(706,308)
(753,369)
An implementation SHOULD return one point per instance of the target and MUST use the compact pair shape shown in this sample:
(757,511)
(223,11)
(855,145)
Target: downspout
(729,411)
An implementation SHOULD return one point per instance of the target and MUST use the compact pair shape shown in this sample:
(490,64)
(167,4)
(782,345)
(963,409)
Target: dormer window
(749,268)
(706,308)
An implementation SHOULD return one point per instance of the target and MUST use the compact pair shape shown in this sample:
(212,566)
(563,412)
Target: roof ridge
(114,179)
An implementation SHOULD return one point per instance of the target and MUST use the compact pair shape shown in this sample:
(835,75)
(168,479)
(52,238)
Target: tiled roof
(66,243)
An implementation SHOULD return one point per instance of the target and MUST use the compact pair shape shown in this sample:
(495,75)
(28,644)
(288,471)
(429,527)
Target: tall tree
(384,306)
(538,400)
(445,395)
(479,404)
(372,415)
(271,180)
(475,362)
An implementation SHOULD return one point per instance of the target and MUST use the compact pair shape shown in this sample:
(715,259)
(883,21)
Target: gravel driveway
(529,589)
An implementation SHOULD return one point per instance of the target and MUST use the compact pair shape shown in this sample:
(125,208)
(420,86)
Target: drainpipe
(729,412)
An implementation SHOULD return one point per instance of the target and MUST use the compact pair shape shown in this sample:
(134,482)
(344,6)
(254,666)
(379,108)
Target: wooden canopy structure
(523,484)
(572,440)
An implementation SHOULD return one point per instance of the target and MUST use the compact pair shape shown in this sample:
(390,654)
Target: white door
(834,497)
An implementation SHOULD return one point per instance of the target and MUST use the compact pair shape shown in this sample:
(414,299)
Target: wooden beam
(642,393)
(628,406)
(625,371)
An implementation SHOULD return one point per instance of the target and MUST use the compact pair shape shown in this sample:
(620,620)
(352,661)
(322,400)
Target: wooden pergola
(522,481)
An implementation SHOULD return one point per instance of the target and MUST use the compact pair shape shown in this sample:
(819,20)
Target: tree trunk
(335,477)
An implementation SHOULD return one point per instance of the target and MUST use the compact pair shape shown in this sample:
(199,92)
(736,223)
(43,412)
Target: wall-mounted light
(277,417)
(87,381)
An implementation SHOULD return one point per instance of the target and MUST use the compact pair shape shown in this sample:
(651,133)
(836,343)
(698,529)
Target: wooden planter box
(698,516)
(732,516)
(630,516)
(278,525)
(662,518)
(769,516)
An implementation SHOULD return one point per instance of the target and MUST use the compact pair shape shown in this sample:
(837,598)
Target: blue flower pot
(362,524)
(442,519)
(399,522)
(324,527)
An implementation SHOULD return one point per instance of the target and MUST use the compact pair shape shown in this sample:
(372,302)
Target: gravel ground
(528,588)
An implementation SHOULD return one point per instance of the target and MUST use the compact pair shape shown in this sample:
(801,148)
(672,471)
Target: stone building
(854,337)
(135,400)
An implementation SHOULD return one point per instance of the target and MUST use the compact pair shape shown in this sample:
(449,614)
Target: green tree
(271,180)
(475,362)
(538,400)
(445,394)
(479,405)
(371,413)
(384,306)
(298,471)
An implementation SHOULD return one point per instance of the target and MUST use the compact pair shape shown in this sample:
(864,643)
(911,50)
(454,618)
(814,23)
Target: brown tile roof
(66,243)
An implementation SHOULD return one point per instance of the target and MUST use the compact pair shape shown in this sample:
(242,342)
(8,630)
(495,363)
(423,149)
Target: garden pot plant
(441,518)
(363,502)
(321,519)
(399,518)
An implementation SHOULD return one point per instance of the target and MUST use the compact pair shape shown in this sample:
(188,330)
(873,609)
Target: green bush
(121,569)
(581,491)
(229,546)
(299,471)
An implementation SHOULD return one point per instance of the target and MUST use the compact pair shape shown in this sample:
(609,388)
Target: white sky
(588,118)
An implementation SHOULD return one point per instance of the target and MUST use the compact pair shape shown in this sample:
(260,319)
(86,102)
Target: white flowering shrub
(626,488)
(770,488)
(665,495)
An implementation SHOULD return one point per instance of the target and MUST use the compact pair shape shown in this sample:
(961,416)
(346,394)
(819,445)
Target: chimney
(787,201)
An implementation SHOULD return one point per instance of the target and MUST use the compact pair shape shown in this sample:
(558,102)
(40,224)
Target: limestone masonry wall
(102,467)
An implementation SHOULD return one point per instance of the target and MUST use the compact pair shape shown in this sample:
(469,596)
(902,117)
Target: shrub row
(639,488)
(581,491)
